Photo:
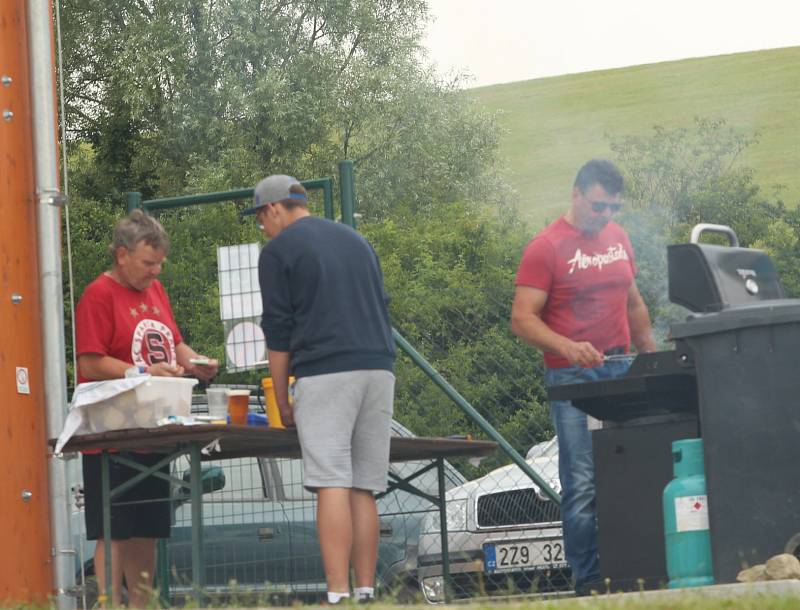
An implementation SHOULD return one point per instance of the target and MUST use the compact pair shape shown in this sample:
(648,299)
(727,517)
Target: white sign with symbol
(23,386)
(691,513)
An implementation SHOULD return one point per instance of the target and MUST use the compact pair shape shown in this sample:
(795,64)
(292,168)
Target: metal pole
(484,425)
(168,203)
(347,192)
(48,195)
(443,530)
(162,571)
(133,201)
(105,482)
(327,194)
(198,569)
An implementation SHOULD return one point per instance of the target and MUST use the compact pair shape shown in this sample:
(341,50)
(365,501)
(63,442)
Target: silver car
(504,535)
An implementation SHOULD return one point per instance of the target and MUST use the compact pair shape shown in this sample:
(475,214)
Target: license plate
(524,555)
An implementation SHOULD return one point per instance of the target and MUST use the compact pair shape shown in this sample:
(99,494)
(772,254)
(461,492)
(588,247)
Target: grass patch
(553,125)
(689,601)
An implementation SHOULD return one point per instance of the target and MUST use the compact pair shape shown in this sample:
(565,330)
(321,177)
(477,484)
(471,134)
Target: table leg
(162,570)
(443,530)
(198,569)
(105,479)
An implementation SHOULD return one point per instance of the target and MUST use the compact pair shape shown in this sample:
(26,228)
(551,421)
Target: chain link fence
(504,532)
(260,544)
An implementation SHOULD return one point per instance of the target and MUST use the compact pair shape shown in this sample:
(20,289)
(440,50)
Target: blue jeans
(576,470)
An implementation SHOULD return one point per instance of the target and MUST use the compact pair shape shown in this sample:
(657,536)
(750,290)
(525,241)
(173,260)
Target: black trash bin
(747,363)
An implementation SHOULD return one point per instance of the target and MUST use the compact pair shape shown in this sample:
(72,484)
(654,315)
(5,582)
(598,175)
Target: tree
(431,146)
(677,178)
(198,95)
(165,89)
(683,177)
(450,273)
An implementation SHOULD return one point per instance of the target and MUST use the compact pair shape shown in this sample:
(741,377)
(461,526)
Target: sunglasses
(600,207)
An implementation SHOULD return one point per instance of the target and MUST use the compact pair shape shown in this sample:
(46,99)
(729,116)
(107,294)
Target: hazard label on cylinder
(691,513)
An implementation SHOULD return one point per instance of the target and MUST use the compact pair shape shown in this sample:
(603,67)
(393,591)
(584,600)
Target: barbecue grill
(731,379)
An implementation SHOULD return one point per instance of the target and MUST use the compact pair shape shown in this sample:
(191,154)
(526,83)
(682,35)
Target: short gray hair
(138,226)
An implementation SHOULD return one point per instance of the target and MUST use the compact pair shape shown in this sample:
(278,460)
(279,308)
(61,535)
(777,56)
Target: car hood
(508,478)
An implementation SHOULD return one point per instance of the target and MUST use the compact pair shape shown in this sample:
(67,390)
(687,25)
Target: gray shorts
(344,422)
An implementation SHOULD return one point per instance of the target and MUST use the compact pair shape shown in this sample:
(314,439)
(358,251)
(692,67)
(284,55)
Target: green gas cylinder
(688,544)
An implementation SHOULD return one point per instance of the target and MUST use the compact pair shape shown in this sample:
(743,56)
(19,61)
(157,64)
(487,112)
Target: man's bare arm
(185,354)
(279,369)
(639,322)
(99,367)
(527,324)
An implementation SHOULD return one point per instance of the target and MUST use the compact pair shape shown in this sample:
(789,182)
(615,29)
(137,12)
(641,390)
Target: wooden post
(26,573)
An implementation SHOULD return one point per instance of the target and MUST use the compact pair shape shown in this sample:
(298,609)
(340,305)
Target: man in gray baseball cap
(275,189)
(326,321)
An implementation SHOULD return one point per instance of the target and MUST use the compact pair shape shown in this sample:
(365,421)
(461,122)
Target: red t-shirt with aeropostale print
(134,326)
(586,278)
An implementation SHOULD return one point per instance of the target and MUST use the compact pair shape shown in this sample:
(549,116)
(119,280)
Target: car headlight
(456,515)
(456,518)
(433,589)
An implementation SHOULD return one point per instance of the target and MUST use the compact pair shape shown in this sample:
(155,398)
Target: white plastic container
(142,407)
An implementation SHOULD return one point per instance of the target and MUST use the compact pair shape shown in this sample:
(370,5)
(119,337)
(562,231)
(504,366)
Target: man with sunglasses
(576,299)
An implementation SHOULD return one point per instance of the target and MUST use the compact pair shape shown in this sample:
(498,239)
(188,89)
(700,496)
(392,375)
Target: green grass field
(552,125)
(689,602)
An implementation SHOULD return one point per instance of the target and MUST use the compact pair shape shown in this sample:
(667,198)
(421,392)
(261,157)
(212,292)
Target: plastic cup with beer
(273,412)
(238,406)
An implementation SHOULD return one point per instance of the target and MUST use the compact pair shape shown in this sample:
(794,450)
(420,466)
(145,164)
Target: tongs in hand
(618,357)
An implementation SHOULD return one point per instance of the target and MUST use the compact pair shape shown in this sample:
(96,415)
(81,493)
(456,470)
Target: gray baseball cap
(273,189)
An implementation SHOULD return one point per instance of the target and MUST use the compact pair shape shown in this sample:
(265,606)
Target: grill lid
(708,278)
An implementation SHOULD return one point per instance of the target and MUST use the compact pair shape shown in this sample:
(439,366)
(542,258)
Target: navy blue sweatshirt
(324,300)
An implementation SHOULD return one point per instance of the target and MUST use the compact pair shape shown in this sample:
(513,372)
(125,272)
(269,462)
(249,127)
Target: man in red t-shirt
(576,299)
(124,319)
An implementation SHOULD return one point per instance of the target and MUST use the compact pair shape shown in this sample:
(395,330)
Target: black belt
(615,351)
